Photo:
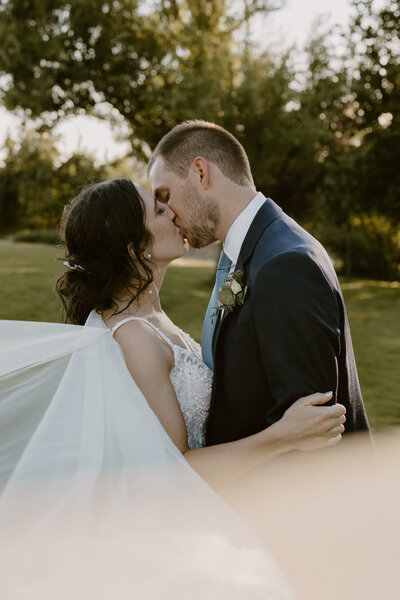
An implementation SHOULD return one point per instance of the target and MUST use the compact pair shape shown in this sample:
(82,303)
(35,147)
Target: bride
(102,428)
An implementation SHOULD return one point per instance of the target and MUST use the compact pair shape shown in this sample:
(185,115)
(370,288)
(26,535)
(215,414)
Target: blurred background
(311,89)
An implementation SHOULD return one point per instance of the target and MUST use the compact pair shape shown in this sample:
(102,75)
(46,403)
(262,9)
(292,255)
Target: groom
(287,335)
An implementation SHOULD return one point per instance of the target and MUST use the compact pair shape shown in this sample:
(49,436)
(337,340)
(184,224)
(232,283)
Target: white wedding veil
(95,499)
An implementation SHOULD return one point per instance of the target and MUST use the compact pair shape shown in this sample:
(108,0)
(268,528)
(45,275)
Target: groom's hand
(309,426)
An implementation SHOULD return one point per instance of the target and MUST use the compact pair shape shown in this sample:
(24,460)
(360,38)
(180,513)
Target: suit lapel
(268,212)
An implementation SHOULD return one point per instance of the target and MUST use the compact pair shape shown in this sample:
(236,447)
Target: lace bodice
(192,381)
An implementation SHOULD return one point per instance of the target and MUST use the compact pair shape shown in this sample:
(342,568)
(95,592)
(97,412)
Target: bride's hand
(309,426)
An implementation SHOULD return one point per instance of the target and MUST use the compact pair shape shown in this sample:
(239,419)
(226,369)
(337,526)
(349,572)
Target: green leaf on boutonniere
(241,296)
(226,296)
(232,293)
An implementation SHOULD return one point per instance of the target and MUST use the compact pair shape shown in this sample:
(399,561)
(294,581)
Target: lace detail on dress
(192,381)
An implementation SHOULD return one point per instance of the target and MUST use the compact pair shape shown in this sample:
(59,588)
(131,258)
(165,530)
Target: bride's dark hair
(97,226)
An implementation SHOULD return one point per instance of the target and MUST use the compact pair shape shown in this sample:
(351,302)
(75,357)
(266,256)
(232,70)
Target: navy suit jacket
(291,337)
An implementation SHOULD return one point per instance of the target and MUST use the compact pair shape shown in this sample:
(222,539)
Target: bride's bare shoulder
(143,345)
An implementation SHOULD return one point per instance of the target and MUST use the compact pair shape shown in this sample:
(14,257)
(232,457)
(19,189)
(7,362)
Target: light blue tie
(207,335)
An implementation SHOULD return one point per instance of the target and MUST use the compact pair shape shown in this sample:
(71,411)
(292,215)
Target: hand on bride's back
(310,425)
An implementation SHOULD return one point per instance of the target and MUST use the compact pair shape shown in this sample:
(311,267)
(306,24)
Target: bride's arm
(149,361)
(304,426)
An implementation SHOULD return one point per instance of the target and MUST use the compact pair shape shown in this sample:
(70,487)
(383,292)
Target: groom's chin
(197,244)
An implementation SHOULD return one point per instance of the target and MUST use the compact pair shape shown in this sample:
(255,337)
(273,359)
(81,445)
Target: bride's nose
(170,212)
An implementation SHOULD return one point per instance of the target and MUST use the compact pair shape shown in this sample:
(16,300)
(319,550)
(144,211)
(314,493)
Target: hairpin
(73,267)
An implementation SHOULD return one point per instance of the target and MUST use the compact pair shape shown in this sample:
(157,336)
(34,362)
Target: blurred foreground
(330,520)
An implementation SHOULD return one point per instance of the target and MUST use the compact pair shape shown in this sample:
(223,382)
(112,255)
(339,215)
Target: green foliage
(35,185)
(375,42)
(155,62)
(232,293)
(375,247)
(70,55)
(357,100)
(262,114)
(368,245)
(25,183)
(40,236)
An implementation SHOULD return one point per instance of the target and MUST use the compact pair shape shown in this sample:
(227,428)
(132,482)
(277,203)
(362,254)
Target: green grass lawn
(28,273)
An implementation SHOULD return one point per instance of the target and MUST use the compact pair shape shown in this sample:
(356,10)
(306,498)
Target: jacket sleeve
(297,320)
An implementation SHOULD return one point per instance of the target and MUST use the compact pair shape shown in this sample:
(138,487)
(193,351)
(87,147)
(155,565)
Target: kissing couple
(130,404)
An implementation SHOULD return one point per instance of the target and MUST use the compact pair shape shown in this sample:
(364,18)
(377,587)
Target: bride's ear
(132,253)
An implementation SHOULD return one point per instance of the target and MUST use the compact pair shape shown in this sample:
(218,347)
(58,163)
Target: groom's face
(196,212)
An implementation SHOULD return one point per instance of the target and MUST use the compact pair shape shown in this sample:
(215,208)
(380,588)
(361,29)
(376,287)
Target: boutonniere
(232,293)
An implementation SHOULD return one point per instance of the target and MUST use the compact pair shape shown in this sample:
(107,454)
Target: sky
(294,23)
(291,25)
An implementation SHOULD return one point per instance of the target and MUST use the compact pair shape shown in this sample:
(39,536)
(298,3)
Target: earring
(149,256)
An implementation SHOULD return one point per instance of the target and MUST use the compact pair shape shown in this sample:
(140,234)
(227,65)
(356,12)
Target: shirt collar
(239,228)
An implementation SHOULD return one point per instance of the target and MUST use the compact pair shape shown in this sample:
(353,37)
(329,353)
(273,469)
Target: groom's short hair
(180,146)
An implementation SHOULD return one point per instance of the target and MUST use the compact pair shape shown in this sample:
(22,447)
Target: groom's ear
(201,171)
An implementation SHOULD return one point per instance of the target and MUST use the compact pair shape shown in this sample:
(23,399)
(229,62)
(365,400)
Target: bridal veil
(95,500)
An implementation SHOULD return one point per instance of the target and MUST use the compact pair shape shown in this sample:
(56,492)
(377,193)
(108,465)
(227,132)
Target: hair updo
(97,226)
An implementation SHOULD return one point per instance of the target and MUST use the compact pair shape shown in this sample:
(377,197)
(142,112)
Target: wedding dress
(96,500)
(190,377)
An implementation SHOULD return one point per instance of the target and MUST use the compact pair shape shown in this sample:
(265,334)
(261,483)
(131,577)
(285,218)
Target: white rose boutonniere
(232,293)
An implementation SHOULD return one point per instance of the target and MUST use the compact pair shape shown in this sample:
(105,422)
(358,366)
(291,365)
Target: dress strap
(156,329)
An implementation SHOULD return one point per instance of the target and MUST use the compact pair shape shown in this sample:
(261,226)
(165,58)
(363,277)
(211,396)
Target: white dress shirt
(239,228)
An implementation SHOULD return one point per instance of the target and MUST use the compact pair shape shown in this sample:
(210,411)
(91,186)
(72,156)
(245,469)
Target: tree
(354,103)
(155,64)
(375,41)
(35,184)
